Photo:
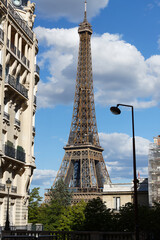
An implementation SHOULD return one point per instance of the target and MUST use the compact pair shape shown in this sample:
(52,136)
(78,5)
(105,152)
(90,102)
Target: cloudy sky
(126,69)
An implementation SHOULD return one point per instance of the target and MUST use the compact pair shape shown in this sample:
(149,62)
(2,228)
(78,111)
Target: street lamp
(117,111)
(7,224)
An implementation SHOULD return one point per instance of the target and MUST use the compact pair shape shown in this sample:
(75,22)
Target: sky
(126,69)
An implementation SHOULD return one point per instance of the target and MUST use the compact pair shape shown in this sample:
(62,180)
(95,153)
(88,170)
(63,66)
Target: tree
(34,206)
(73,218)
(52,212)
(60,193)
(97,216)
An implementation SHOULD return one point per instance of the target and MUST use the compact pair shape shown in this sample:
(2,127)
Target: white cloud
(121,74)
(43,178)
(118,155)
(70,9)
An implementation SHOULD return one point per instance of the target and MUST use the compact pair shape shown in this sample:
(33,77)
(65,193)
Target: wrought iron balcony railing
(20,155)
(18,53)
(35,100)
(17,154)
(17,122)
(6,116)
(37,69)
(13,48)
(33,129)
(20,21)
(9,151)
(8,43)
(24,59)
(1,34)
(0,70)
(16,85)
(2,187)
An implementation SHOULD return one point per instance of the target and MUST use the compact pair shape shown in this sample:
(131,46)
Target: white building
(118,194)
(19,76)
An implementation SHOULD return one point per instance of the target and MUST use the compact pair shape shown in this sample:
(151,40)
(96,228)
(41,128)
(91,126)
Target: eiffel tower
(83,168)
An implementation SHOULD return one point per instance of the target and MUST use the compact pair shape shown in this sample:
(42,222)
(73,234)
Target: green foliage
(34,206)
(60,193)
(73,218)
(97,216)
(60,215)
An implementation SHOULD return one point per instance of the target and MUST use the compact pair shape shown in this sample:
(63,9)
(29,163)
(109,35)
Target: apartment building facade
(19,76)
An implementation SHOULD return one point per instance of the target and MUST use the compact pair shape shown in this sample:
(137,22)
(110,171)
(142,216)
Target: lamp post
(117,111)
(7,224)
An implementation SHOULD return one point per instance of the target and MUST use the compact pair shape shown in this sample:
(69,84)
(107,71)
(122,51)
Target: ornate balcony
(17,154)
(0,70)
(9,151)
(13,48)
(11,81)
(37,69)
(24,59)
(33,129)
(1,34)
(18,54)
(20,155)
(35,100)
(21,22)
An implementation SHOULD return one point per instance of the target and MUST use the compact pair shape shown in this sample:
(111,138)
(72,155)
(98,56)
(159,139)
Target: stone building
(154,171)
(118,194)
(19,75)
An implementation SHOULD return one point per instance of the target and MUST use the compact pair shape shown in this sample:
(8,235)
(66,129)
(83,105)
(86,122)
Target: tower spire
(85,12)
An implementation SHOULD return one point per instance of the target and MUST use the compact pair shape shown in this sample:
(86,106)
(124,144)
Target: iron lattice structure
(83,168)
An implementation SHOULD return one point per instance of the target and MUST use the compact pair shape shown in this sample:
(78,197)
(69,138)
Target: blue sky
(126,69)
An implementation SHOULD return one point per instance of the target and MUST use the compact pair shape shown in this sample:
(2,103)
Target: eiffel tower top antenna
(85,12)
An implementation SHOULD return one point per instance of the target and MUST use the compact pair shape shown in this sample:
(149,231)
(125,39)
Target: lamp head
(115,110)
(8,183)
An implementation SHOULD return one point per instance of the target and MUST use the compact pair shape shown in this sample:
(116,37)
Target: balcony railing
(16,85)
(1,34)
(8,43)
(20,21)
(35,100)
(18,154)
(13,48)
(33,129)
(2,187)
(6,116)
(24,59)
(37,69)
(17,122)
(18,53)
(0,70)
(28,63)
(9,151)
(14,189)
(21,156)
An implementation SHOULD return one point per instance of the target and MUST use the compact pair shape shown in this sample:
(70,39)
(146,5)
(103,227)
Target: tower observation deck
(83,168)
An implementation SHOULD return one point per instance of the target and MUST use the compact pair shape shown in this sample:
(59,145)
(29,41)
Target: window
(116,203)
